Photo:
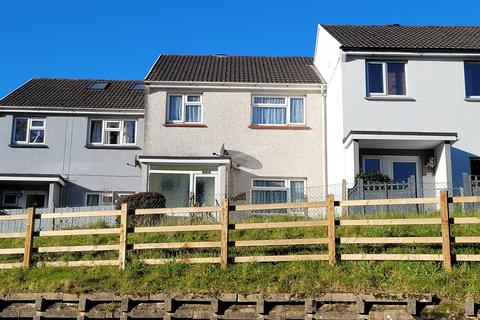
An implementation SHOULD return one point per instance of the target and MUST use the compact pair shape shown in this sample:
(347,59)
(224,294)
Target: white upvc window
(386,78)
(278,110)
(29,130)
(184,108)
(112,132)
(98,198)
(472,79)
(269,190)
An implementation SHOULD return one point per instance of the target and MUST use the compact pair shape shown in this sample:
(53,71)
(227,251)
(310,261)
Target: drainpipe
(324,137)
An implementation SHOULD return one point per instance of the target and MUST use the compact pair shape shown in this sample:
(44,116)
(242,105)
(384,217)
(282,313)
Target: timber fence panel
(328,243)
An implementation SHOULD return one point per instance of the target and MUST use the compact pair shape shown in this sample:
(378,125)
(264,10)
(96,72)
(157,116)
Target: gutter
(30,109)
(235,85)
(412,54)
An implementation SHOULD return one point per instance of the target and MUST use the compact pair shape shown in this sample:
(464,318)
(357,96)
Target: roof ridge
(85,79)
(229,56)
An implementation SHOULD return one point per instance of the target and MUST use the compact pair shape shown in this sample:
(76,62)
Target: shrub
(373,177)
(142,200)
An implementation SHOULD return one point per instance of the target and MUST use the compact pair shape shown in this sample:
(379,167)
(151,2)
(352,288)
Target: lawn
(303,278)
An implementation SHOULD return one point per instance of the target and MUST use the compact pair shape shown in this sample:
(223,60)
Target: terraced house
(246,128)
(403,101)
(69,142)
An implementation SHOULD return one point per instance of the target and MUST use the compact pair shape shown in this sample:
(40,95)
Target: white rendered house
(402,101)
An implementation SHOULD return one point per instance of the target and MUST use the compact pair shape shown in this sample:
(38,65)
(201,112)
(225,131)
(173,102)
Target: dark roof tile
(221,68)
(75,94)
(402,38)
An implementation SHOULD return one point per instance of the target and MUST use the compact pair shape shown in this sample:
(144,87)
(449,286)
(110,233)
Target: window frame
(287,106)
(465,78)
(287,186)
(29,128)
(384,64)
(121,129)
(368,157)
(10,204)
(185,103)
(100,195)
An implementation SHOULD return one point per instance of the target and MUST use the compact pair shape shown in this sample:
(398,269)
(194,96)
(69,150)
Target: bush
(142,200)
(373,177)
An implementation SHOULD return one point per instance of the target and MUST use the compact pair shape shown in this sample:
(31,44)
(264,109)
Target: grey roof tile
(222,68)
(76,94)
(403,38)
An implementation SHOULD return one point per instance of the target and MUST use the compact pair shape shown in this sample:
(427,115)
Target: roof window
(98,85)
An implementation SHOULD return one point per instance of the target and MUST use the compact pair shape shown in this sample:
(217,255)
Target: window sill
(389,98)
(472,99)
(185,125)
(287,127)
(89,146)
(35,146)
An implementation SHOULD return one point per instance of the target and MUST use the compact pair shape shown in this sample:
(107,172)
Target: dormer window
(98,85)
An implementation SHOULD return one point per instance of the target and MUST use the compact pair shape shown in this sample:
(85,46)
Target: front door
(35,200)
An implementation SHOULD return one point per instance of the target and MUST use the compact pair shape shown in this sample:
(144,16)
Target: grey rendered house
(246,128)
(70,142)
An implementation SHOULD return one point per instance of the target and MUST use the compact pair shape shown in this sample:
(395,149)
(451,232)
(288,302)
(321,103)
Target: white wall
(328,60)
(438,89)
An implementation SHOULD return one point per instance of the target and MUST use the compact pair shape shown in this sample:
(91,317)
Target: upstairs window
(184,108)
(472,79)
(112,132)
(278,110)
(386,78)
(29,130)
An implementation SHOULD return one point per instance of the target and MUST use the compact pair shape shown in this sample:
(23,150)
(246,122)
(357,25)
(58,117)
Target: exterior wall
(328,60)
(438,89)
(85,169)
(254,152)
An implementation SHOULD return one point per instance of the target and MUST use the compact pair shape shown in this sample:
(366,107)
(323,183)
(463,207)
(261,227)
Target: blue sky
(121,39)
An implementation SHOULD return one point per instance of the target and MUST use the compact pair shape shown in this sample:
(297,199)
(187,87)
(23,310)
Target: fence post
(445,220)
(122,248)
(344,197)
(331,229)
(29,229)
(224,235)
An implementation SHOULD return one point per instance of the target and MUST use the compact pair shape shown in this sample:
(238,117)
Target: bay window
(29,130)
(112,132)
(278,110)
(184,108)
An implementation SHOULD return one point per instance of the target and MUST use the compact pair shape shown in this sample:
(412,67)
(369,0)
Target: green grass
(297,277)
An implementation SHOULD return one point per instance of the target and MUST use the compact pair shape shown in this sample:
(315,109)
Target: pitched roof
(403,38)
(76,94)
(222,68)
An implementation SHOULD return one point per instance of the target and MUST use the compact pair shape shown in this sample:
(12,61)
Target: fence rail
(225,227)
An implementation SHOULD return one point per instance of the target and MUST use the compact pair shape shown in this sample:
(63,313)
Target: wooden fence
(225,226)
